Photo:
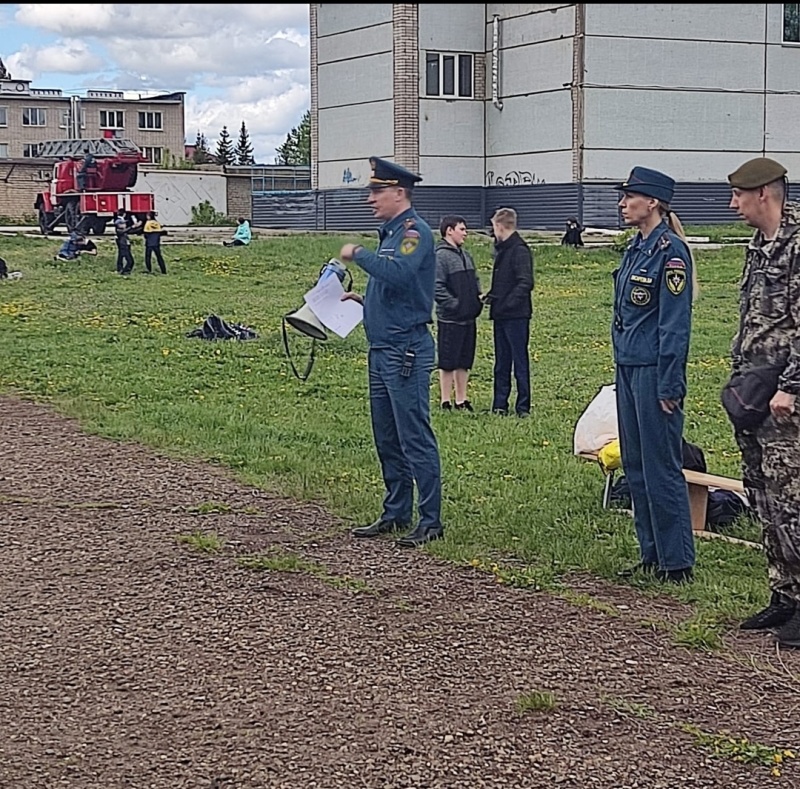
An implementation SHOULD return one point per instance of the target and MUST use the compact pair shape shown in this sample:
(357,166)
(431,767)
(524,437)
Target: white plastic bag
(597,425)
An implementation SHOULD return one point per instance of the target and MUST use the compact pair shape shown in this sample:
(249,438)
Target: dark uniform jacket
(653,308)
(457,285)
(770,298)
(398,300)
(512,280)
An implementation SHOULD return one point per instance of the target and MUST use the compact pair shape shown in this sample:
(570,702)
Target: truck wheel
(44,221)
(98,226)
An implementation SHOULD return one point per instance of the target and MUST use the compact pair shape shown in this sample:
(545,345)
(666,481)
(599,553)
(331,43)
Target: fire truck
(93,180)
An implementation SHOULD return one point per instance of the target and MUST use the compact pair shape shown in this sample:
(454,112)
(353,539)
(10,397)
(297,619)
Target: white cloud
(65,57)
(246,62)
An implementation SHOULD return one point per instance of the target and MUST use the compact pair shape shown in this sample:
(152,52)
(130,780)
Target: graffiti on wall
(512,178)
(348,177)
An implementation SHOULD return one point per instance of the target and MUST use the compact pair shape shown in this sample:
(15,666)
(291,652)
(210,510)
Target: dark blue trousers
(511,353)
(652,459)
(404,439)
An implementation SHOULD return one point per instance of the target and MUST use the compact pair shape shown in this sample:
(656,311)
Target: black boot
(789,634)
(776,614)
(682,576)
(377,528)
(420,536)
(642,567)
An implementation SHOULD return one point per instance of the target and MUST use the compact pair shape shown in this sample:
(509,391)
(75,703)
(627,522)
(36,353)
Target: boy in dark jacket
(458,305)
(511,308)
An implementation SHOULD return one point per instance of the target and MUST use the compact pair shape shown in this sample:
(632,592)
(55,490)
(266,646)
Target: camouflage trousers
(771,475)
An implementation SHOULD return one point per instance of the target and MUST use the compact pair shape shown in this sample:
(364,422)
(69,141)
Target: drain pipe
(496,62)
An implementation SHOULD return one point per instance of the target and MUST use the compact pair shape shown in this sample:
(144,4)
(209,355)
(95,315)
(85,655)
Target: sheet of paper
(325,301)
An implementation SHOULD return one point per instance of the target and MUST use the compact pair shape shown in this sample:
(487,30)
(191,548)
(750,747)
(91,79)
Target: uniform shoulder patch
(676,280)
(409,242)
(675,263)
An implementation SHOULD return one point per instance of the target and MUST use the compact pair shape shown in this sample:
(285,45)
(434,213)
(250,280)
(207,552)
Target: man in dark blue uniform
(398,308)
(653,290)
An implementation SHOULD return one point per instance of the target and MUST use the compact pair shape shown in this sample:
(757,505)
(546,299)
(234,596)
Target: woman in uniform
(653,293)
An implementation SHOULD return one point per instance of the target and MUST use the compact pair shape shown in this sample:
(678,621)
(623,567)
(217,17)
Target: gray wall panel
(285,210)
(538,207)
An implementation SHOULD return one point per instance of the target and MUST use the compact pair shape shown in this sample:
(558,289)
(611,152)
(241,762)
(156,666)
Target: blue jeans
(511,352)
(404,439)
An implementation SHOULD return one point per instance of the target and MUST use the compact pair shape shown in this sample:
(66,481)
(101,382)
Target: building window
(112,119)
(33,116)
(3,116)
(153,154)
(30,150)
(791,23)
(449,75)
(3,150)
(150,120)
(65,116)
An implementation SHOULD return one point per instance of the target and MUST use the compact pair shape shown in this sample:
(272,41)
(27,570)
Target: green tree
(224,152)
(201,155)
(297,147)
(244,150)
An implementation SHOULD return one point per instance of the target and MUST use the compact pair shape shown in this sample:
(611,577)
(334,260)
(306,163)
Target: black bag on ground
(746,396)
(724,507)
(215,328)
(3,269)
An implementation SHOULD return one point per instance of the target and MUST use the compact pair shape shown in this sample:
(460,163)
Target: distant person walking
(152,243)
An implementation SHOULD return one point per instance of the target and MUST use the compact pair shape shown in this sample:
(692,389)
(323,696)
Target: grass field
(112,352)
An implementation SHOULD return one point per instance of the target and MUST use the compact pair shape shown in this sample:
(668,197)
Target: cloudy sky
(236,62)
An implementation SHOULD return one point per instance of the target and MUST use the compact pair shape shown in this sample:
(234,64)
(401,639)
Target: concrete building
(544,106)
(30,115)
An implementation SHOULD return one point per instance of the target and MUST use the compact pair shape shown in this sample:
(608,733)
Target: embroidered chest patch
(640,296)
(676,280)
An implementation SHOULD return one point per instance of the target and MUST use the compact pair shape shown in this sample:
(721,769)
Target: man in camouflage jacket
(769,334)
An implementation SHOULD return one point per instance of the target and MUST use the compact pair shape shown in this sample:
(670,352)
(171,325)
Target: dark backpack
(3,269)
(215,328)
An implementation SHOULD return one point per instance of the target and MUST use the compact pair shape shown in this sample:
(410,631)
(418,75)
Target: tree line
(295,150)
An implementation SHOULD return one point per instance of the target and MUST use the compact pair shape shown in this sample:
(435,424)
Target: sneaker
(447,406)
(500,411)
(465,406)
(789,634)
(642,567)
(779,611)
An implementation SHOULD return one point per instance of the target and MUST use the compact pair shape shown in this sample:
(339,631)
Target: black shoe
(447,406)
(642,567)
(500,411)
(682,576)
(776,614)
(420,536)
(377,528)
(465,406)
(789,634)
(523,414)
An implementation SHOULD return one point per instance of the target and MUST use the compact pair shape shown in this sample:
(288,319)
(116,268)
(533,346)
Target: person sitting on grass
(242,235)
(75,245)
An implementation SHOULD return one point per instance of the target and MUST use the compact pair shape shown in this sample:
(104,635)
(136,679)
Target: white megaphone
(305,321)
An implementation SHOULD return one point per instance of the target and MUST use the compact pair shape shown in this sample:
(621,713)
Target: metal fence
(538,206)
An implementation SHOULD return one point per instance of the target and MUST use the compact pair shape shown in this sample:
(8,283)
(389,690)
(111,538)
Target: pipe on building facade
(496,62)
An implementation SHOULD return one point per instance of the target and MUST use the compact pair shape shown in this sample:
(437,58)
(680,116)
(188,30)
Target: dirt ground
(130,658)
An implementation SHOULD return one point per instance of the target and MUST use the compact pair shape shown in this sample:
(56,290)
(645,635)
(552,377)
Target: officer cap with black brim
(757,173)
(650,183)
(386,173)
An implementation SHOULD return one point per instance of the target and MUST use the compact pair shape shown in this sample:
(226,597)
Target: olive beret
(756,173)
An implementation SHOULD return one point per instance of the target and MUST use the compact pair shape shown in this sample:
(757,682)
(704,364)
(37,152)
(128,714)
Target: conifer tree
(224,153)
(244,150)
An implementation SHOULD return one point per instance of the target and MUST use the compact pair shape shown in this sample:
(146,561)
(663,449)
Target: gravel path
(130,658)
